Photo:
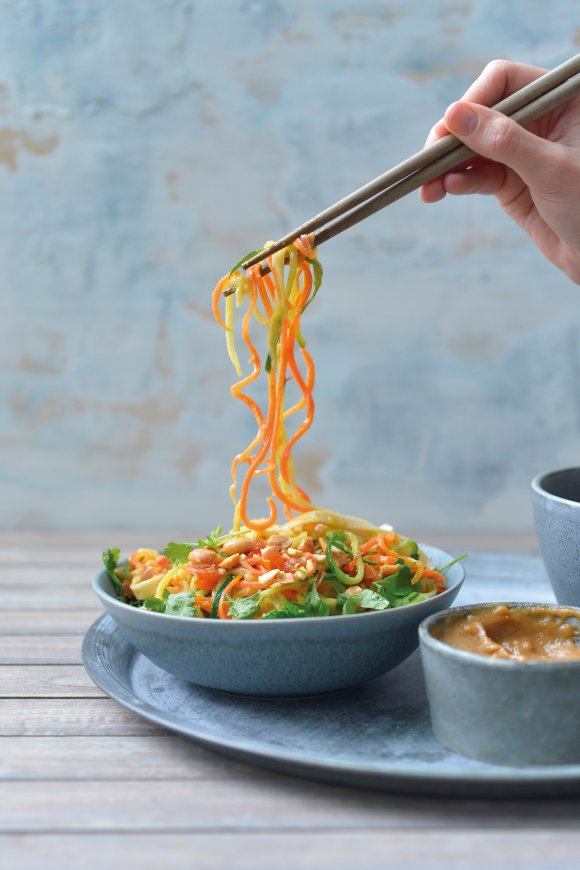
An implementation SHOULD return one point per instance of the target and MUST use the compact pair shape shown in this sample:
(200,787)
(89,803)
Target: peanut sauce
(519,633)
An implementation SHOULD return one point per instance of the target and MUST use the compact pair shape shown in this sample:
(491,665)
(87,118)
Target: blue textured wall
(146,144)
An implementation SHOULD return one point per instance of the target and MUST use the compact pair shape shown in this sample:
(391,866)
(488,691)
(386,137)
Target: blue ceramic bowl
(279,657)
(556,500)
(497,710)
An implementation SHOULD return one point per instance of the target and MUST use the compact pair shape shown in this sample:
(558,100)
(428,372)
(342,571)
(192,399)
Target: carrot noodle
(275,302)
(317,562)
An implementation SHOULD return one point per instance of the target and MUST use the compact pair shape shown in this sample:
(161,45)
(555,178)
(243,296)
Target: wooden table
(85,783)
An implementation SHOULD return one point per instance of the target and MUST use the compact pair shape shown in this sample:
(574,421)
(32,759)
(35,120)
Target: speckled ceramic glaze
(556,500)
(279,657)
(501,711)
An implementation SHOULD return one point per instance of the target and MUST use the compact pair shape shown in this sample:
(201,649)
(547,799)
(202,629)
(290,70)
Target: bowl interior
(564,483)
(427,636)
(455,577)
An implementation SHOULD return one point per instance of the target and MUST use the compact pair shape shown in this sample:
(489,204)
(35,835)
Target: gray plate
(377,736)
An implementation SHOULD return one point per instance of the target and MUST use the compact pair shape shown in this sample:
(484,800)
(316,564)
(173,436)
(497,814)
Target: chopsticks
(532,101)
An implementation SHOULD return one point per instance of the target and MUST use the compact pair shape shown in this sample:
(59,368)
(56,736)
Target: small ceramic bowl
(556,501)
(497,710)
(282,657)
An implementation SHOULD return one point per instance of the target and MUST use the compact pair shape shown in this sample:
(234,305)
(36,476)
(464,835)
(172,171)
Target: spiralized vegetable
(274,302)
(318,564)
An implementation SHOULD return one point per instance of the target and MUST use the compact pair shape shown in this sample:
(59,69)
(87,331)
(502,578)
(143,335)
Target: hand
(534,173)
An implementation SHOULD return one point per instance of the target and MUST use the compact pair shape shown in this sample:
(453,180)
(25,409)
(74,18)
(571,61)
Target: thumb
(495,136)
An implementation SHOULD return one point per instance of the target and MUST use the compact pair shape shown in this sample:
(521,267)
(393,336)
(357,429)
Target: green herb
(219,591)
(179,553)
(453,562)
(244,608)
(244,258)
(367,599)
(268,363)
(336,584)
(315,605)
(399,590)
(154,604)
(110,560)
(398,585)
(348,606)
(180,604)
(317,270)
(290,610)
(338,540)
(212,541)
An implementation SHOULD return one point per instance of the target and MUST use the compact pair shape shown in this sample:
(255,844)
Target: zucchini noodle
(314,562)
(274,302)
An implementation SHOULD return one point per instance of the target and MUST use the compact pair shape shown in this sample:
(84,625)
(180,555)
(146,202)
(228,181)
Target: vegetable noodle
(316,562)
(275,301)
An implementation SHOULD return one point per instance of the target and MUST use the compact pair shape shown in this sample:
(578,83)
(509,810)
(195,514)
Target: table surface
(86,781)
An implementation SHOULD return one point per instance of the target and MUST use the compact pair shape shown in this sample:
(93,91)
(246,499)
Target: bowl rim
(538,488)
(426,639)
(109,600)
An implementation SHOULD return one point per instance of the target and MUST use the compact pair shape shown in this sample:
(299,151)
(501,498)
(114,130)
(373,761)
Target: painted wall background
(146,144)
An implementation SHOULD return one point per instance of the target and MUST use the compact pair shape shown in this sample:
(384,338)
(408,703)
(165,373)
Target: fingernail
(461,119)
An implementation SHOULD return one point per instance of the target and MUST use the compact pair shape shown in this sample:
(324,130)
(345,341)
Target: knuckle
(502,136)
(495,68)
(564,164)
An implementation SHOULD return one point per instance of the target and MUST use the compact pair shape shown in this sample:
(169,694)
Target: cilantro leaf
(212,540)
(244,608)
(180,604)
(178,553)
(366,598)
(289,611)
(315,605)
(398,585)
(336,584)
(348,606)
(110,561)
(154,604)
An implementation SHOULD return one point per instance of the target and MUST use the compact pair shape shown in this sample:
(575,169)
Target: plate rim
(395,775)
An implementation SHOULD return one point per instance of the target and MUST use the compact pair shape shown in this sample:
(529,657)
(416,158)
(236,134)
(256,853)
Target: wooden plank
(60,717)
(46,681)
(53,547)
(34,597)
(41,649)
(54,622)
(339,850)
(277,802)
(159,757)
(54,576)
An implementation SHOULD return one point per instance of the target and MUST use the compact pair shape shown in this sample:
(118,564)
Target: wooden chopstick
(553,88)
(525,115)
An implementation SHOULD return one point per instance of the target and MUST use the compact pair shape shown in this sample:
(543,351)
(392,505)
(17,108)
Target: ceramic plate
(376,736)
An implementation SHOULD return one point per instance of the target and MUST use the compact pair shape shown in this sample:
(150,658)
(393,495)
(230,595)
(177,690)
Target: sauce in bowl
(516,633)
